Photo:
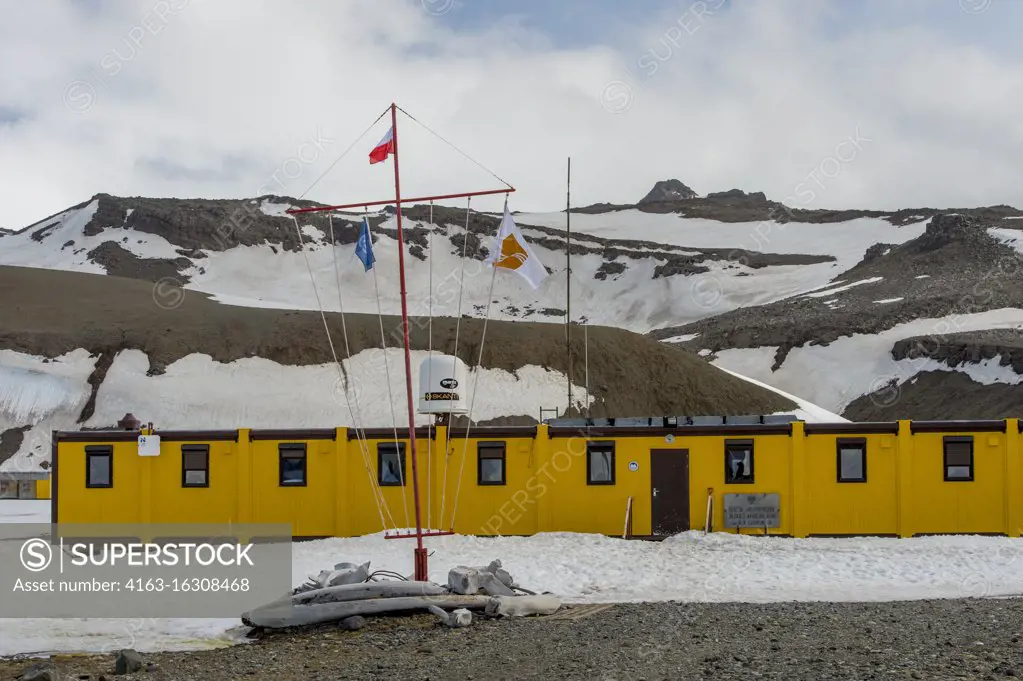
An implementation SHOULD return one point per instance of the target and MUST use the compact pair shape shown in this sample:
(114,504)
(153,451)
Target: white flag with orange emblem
(511,252)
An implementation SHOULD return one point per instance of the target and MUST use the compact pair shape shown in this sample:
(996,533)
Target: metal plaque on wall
(752,510)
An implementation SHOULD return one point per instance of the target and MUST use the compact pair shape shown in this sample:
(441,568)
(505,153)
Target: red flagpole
(421,572)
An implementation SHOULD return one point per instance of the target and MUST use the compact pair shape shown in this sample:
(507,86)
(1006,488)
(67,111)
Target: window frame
(104,451)
(957,439)
(399,447)
(600,446)
(744,444)
(491,446)
(850,442)
(283,449)
(195,449)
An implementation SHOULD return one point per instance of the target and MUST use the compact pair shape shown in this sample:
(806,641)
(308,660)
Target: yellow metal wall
(836,508)
(546,489)
(169,502)
(510,509)
(971,507)
(42,489)
(604,507)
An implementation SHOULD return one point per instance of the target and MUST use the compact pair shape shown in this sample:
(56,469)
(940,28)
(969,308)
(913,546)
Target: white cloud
(212,98)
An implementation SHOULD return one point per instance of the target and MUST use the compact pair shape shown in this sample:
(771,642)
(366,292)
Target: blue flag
(364,246)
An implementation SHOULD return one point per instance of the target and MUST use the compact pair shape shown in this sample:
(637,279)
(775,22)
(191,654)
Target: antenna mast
(568,278)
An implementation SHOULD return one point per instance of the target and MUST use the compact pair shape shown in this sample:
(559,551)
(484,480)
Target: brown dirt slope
(48,312)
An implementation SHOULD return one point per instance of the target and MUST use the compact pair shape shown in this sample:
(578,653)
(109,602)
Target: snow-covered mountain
(657,268)
(820,304)
(904,333)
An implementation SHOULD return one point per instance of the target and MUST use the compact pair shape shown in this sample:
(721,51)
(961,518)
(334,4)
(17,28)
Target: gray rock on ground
(353,623)
(128,662)
(39,672)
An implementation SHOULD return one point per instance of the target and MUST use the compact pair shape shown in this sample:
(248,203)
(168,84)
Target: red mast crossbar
(424,533)
(364,204)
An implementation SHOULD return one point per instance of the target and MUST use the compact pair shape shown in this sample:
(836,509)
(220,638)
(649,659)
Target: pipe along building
(644,477)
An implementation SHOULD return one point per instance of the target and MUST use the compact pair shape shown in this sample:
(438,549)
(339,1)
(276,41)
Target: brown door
(669,482)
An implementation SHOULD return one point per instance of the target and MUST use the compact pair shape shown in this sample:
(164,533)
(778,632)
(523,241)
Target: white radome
(443,386)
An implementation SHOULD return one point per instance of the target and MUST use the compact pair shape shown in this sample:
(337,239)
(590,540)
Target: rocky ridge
(955,267)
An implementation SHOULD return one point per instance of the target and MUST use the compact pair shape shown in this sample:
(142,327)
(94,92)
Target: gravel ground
(962,639)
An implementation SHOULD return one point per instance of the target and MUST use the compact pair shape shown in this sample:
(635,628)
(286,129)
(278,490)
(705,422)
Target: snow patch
(834,375)
(886,301)
(832,291)
(1010,237)
(273,209)
(24,251)
(806,411)
(197,392)
(987,371)
(681,339)
(32,387)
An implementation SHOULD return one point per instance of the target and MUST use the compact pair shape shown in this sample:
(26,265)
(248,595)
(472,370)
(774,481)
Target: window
(600,463)
(958,459)
(852,460)
(99,466)
(391,464)
(195,466)
(490,463)
(738,462)
(292,465)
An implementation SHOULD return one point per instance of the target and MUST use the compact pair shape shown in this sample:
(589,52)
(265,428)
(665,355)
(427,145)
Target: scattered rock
(353,623)
(43,671)
(128,661)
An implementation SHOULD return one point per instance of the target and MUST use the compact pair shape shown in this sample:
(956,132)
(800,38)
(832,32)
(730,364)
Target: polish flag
(385,148)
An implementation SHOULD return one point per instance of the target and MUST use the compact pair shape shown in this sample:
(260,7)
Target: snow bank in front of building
(588,568)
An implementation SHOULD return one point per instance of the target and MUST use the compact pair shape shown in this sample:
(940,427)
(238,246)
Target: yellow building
(897,479)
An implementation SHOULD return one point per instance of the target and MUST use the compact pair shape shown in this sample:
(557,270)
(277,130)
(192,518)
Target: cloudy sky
(821,103)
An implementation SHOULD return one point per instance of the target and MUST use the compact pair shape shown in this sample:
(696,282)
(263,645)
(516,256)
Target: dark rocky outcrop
(668,190)
(120,262)
(737,194)
(965,348)
(43,232)
(10,441)
(609,268)
(938,395)
(110,213)
(679,265)
(877,251)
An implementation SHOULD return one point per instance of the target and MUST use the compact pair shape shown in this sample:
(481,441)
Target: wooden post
(708,523)
(627,532)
